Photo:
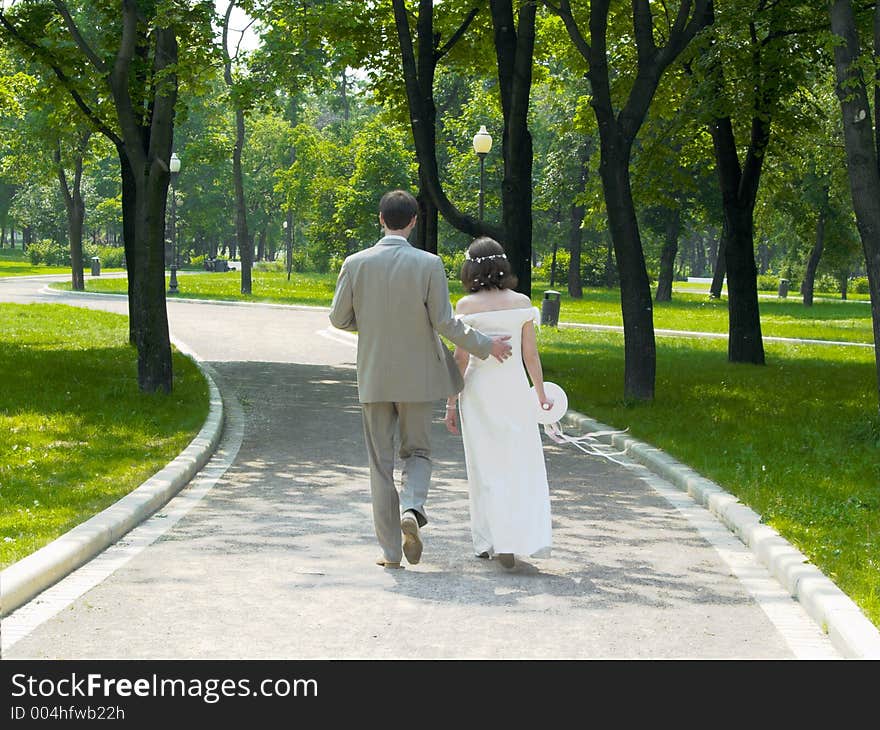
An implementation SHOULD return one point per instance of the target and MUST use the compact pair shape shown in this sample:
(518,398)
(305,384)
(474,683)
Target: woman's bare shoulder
(465,305)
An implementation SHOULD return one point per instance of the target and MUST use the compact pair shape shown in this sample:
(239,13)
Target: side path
(274,557)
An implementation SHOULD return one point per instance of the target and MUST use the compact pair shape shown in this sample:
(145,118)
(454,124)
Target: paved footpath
(269,552)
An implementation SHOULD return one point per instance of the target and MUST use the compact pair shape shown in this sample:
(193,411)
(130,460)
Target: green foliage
(112,257)
(860,285)
(453,263)
(563,261)
(770,283)
(49,253)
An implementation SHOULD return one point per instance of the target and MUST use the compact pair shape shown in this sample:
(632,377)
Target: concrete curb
(31,575)
(850,631)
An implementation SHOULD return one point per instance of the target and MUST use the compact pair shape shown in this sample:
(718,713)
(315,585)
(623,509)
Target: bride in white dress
(507,477)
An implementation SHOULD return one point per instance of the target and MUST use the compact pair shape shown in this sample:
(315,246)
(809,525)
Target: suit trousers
(381,422)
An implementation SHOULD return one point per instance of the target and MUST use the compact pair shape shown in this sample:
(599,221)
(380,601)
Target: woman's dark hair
(398,208)
(486,267)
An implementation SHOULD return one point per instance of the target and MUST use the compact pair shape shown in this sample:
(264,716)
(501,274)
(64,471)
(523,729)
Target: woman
(507,478)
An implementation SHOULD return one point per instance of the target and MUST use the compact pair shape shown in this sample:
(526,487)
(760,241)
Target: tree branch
(241,37)
(643,27)
(455,37)
(74,31)
(131,133)
(564,12)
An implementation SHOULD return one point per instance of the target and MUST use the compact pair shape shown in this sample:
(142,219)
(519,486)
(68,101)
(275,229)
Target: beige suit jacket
(396,298)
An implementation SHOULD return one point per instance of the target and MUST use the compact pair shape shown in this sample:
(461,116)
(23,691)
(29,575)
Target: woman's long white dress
(507,477)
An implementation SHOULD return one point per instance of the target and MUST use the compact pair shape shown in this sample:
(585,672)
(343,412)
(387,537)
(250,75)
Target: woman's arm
(462,358)
(533,362)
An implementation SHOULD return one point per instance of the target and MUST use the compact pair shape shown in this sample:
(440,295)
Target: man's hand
(501,349)
(451,420)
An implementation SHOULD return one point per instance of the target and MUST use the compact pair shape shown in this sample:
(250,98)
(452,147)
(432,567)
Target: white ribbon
(588,443)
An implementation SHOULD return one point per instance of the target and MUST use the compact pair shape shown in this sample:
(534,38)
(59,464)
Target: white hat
(559,407)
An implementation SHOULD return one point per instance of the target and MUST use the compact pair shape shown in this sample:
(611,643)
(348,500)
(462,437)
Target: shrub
(827,283)
(860,285)
(49,253)
(198,260)
(563,260)
(112,257)
(269,266)
(335,263)
(768,282)
(452,262)
(300,261)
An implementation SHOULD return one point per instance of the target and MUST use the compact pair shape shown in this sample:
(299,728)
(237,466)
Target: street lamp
(482,145)
(174,166)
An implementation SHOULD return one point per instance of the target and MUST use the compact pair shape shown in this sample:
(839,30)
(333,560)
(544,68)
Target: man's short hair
(398,208)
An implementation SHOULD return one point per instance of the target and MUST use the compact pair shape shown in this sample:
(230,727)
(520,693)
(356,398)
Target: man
(396,297)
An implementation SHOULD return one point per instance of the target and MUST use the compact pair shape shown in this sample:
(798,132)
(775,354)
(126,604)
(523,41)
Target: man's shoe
(412,543)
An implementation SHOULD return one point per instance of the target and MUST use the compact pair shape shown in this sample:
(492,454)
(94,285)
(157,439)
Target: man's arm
(443,321)
(342,310)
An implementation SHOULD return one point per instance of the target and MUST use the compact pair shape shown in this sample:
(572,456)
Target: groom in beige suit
(396,298)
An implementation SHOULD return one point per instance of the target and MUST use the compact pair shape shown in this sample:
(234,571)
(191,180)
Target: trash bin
(96,266)
(783,288)
(550,308)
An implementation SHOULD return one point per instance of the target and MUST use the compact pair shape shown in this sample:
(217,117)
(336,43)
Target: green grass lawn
(826,320)
(13,262)
(312,289)
(798,440)
(76,434)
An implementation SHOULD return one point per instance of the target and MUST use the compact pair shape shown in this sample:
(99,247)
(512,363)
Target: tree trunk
(699,256)
(261,247)
(553,262)
(815,256)
(514,51)
(745,342)
(146,175)
(635,288)
(739,187)
(76,209)
(426,229)
(862,147)
(576,235)
(720,270)
(245,245)
(129,215)
(667,256)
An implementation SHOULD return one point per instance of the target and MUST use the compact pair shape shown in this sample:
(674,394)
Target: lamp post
(482,145)
(174,166)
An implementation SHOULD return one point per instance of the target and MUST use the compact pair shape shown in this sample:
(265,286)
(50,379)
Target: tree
(758,55)
(619,121)
(862,139)
(123,74)
(419,69)
(238,93)
(71,193)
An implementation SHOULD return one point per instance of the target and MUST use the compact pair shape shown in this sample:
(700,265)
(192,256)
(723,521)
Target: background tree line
(634,143)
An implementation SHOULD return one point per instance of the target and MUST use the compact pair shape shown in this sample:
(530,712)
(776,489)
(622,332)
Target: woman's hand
(546,403)
(451,419)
